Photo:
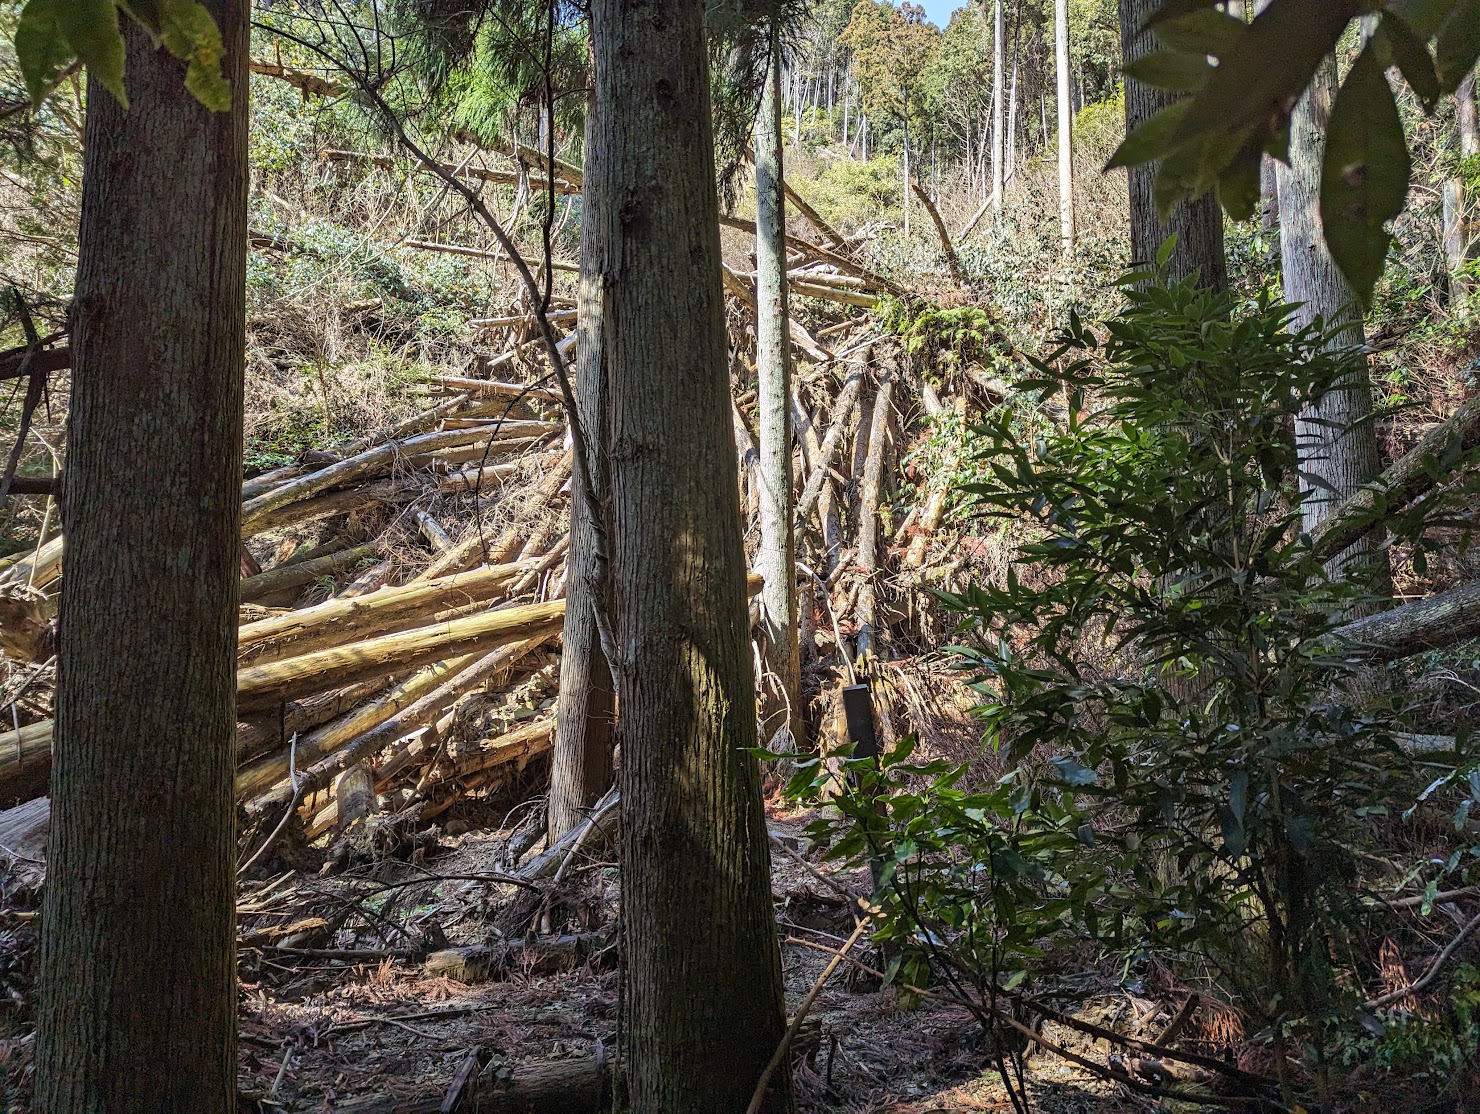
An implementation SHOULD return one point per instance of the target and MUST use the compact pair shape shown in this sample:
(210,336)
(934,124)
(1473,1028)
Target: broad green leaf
(1253,89)
(1364,175)
(91,26)
(42,50)
(1411,56)
(1458,45)
(190,34)
(1238,185)
(1204,32)
(1177,72)
(1149,141)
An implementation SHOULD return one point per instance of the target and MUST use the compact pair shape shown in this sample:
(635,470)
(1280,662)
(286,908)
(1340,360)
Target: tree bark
(581,767)
(137,991)
(1458,226)
(781,697)
(999,100)
(1066,124)
(701,1006)
(1197,224)
(1337,441)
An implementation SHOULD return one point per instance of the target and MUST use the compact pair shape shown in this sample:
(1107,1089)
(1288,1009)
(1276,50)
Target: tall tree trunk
(1066,124)
(1458,225)
(581,764)
(1197,224)
(1337,439)
(137,991)
(904,185)
(999,100)
(1012,122)
(776,560)
(701,1006)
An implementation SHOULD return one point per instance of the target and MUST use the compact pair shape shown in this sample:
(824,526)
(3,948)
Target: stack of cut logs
(357,652)
(372,672)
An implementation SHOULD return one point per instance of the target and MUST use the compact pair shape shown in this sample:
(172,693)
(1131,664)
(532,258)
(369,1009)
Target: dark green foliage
(1193,768)
(1240,109)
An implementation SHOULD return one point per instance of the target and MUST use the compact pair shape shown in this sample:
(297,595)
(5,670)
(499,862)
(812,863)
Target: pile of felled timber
(352,659)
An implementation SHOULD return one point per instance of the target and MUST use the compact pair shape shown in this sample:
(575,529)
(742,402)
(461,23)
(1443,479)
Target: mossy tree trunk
(701,1004)
(137,992)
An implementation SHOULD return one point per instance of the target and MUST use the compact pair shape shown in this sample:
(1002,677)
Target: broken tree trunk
(579,1085)
(870,492)
(842,410)
(947,248)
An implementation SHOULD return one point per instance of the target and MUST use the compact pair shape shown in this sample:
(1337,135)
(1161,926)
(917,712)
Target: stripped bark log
(266,684)
(842,410)
(870,492)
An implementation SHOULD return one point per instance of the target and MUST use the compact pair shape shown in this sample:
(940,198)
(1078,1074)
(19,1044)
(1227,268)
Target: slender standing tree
(1338,441)
(1458,224)
(999,100)
(137,991)
(701,1006)
(1066,124)
(776,558)
(581,763)
(1197,224)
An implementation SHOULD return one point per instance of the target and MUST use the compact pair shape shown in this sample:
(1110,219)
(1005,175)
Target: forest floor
(319,1036)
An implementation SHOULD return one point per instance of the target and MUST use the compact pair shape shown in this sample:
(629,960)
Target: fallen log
(14,364)
(479,173)
(338,621)
(579,1085)
(301,79)
(517,745)
(1418,470)
(491,388)
(1441,620)
(826,230)
(408,718)
(301,573)
(947,248)
(842,409)
(25,760)
(463,554)
(23,829)
(379,461)
(314,746)
(482,962)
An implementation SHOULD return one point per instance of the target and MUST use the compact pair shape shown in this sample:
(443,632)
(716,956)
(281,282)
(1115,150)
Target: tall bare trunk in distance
(776,559)
(1198,224)
(1066,125)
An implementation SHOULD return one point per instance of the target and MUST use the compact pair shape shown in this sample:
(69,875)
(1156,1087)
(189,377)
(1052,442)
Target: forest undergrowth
(402,922)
